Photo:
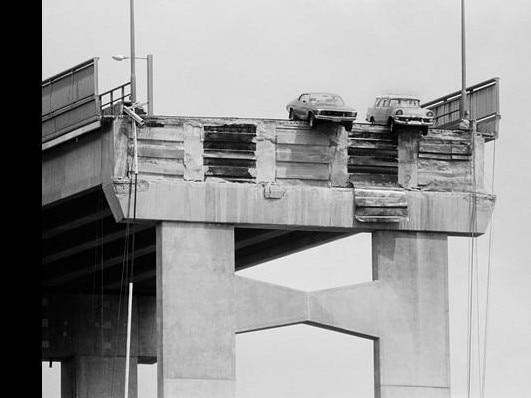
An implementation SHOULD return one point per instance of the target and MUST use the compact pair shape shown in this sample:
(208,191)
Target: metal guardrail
(71,105)
(482,101)
(70,100)
(114,96)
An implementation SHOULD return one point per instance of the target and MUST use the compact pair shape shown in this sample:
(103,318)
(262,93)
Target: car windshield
(405,102)
(326,99)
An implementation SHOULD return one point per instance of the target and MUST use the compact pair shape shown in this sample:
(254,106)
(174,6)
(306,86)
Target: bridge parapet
(290,153)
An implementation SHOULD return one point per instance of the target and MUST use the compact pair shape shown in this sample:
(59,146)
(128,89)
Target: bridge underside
(84,247)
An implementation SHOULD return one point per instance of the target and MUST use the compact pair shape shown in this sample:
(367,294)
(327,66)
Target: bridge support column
(195,310)
(85,376)
(412,354)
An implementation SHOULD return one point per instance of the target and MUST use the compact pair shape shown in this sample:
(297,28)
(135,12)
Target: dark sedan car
(321,106)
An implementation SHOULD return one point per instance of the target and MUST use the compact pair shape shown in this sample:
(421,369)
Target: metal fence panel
(65,122)
(482,101)
(70,100)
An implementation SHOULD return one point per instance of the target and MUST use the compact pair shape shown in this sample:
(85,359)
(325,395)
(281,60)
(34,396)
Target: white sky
(248,58)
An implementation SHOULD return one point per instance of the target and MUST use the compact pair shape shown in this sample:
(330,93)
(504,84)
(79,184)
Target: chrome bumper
(336,118)
(412,122)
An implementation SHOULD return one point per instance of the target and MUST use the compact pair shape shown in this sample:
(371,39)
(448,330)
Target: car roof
(403,96)
(316,92)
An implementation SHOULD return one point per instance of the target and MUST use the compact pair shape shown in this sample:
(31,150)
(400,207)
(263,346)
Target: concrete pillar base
(86,376)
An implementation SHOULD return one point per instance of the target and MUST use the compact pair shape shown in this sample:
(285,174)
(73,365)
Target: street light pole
(150,84)
(133,76)
(133,102)
(462,108)
(149,59)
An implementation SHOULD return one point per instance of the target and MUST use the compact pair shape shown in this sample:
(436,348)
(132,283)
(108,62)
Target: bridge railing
(110,98)
(70,100)
(482,101)
(71,104)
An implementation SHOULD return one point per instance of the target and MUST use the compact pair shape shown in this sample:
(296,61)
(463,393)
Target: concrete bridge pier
(412,356)
(405,310)
(87,333)
(195,310)
(96,376)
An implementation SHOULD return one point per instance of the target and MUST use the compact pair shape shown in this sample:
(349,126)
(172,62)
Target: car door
(302,109)
(370,111)
(384,111)
(376,109)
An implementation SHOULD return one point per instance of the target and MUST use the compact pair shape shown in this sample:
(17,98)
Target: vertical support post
(135,147)
(478,157)
(128,340)
(408,148)
(195,310)
(338,157)
(150,84)
(193,152)
(412,356)
(265,152)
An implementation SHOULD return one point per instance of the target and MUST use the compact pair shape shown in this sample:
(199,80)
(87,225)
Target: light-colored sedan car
(321,106)
(399,110)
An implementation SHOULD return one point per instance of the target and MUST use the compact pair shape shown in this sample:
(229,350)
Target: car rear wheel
(311,120)
(391,123)
(348,126)
(292,114)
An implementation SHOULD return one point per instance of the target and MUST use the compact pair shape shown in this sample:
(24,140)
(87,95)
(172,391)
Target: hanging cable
(98,238)
(472,270)
(131,274)
(100,206)
(473,316)
(476,265)
(487,293)
(126,256)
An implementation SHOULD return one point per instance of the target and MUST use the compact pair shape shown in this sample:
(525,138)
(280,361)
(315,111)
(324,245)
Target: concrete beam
(318,208)
(76,223)
(352,309)
(89,244)
(109,263)
(261,305)
(71,168)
